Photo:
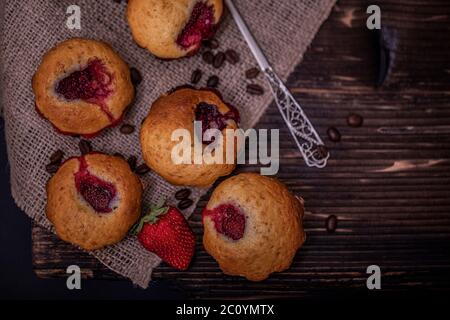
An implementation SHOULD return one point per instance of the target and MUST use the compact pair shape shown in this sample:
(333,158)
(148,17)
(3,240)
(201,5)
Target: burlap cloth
(284,29)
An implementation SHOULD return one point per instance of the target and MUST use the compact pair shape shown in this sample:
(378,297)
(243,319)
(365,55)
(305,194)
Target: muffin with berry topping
(82,87)
(253,226)
(179,153)
(93,200)
(172,29)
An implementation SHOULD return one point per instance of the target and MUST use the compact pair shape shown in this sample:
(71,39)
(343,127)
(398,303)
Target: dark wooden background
(388,182)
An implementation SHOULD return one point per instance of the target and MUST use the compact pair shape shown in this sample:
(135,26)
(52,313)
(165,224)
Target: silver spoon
(308,141)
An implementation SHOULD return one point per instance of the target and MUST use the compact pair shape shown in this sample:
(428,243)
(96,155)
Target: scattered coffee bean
(213,82)
(196,76)
(208,57)
(142,169)
(331,223)
(185,203)
(252,73)
(56,157)
(322,151)
(182,194)
(52,168)
(219,59)
(355,120)
(85,146)
(255,89)
(118,154)
(232,56)
(127,129)
(334,134)
(132,160)
(211,43)
(136,77)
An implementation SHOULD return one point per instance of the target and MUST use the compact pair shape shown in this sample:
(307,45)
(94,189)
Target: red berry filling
(228,220)
(91,84)
(200,26)
(95,191)
(211,118)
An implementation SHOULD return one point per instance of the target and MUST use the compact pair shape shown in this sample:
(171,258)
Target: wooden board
(388,181)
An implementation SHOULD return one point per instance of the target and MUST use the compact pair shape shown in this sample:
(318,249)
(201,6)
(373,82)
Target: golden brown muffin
(253,226)
(93,200)
(82,86)
(172,29)
(179,110)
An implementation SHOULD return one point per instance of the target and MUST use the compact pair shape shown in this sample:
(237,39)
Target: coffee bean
(331,223)
(208,57)
(213,82)
(127,129)
(182,194)
(184,204)
(136,77)
(232,56)
(196,76)
(52,168)
(56,157)
(85,146)
(211,43)
(321,151)
(255,89)
(334,134)
(142,169)
(355,120)
(132,160)
(118,154)
(219,59)
(252,73)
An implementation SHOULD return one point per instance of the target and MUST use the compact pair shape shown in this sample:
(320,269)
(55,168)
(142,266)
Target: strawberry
(165,232)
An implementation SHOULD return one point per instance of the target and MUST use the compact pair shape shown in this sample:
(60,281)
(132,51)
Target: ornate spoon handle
(308,141)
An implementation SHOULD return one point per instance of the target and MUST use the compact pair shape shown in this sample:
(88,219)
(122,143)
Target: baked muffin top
(178,110)
(82,86)
(253,226)
(93,200)
(172,29)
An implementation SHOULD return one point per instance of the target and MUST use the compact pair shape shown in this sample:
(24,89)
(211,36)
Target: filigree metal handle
(308,141)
